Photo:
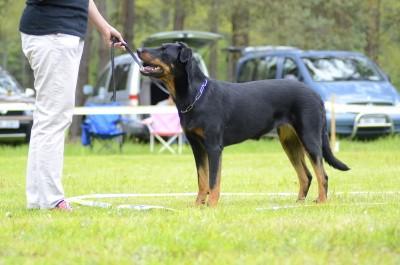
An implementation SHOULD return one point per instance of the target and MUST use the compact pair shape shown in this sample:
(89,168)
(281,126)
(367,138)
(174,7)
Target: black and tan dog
(215,114)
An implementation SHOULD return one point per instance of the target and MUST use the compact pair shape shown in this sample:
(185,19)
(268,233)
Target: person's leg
(55,62)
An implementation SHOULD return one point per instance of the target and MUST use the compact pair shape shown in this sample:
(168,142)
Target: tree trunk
(214,11)
(104,54)
(373,30)
(179,15)
(5,54)
(240,20)
(128,14)
(83,79)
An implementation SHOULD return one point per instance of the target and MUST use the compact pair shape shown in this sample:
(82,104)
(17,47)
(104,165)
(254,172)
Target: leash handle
(134,56)
(114,40)
(112,55)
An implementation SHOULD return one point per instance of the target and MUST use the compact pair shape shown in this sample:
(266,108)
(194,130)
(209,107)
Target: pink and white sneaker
(63,206)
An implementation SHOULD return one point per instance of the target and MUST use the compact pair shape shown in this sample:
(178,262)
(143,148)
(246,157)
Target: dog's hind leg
(201,158)
(322,178)
(295,151)
(313,146)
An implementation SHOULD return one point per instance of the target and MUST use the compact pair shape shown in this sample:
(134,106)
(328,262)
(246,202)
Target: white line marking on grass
(128,195)
(121,206)
(92,203)
(282,207)
(182,194)
(364,193)
(245,194)
(144,207)
(83,199)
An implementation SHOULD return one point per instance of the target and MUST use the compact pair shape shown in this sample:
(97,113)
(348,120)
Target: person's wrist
(105,30)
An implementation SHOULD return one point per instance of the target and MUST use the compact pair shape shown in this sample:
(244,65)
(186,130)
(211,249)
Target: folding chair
(165,126)
(105,129)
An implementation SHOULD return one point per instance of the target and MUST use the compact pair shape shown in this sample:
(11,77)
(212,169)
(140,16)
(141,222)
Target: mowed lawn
(350,229)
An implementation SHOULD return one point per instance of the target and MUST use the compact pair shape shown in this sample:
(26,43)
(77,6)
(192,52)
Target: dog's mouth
(151,69)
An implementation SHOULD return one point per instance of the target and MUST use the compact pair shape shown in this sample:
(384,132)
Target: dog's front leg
(201,159)
(202,177)
(214,160)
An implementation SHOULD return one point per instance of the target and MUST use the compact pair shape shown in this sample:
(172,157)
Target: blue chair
(104,129)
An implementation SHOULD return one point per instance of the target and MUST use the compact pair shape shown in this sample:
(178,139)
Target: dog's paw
(320,200)
(200,202)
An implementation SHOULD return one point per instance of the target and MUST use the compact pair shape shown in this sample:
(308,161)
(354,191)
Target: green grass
(349,229)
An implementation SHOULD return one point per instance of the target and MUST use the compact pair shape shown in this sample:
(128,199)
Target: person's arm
(105,29)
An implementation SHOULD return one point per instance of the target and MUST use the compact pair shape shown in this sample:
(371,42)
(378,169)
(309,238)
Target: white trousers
(54,60)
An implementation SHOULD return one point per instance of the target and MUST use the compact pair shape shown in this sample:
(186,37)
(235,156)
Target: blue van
(356,90)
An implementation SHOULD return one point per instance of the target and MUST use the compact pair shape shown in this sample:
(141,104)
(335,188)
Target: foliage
(349,229)
(311,24)
(11,56)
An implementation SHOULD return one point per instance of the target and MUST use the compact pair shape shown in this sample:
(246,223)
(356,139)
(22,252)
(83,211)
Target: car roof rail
(257,49)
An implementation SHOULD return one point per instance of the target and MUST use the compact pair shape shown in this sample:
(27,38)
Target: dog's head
(166,63)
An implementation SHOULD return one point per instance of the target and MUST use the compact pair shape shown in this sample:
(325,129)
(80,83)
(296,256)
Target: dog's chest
(193,125)
(189,123)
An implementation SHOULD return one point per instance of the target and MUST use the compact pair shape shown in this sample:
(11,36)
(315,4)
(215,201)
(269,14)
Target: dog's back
(255,108)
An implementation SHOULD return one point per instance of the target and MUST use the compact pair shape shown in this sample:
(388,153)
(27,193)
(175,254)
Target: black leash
(114,40)
(114,96)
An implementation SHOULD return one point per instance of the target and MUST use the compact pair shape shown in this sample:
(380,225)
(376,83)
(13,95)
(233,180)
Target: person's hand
(110,32)
(103,27)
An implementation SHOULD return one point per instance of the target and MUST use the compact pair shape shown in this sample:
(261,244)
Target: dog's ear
(185,54)
(185,57)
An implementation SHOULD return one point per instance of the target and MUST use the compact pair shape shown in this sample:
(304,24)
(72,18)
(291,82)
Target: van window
(267,68)
(290,70)
(121,73)
(247,72)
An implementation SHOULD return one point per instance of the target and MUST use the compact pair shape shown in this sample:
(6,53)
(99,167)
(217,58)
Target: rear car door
(290,69)
(259,68)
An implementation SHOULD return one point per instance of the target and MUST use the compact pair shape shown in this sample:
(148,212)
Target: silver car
(15,125)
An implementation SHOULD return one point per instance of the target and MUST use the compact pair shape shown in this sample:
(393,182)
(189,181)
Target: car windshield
(8,85)
(328,69)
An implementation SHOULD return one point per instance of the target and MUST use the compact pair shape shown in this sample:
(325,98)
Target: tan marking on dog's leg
(199,132)
(295,152)
(216,191)
(322,181)
(204,187)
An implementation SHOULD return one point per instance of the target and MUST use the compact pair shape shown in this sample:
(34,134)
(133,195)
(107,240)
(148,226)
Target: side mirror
(387,76)
(88,90)
(29,92)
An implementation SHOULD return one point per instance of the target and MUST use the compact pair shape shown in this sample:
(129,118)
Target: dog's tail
(327,152)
